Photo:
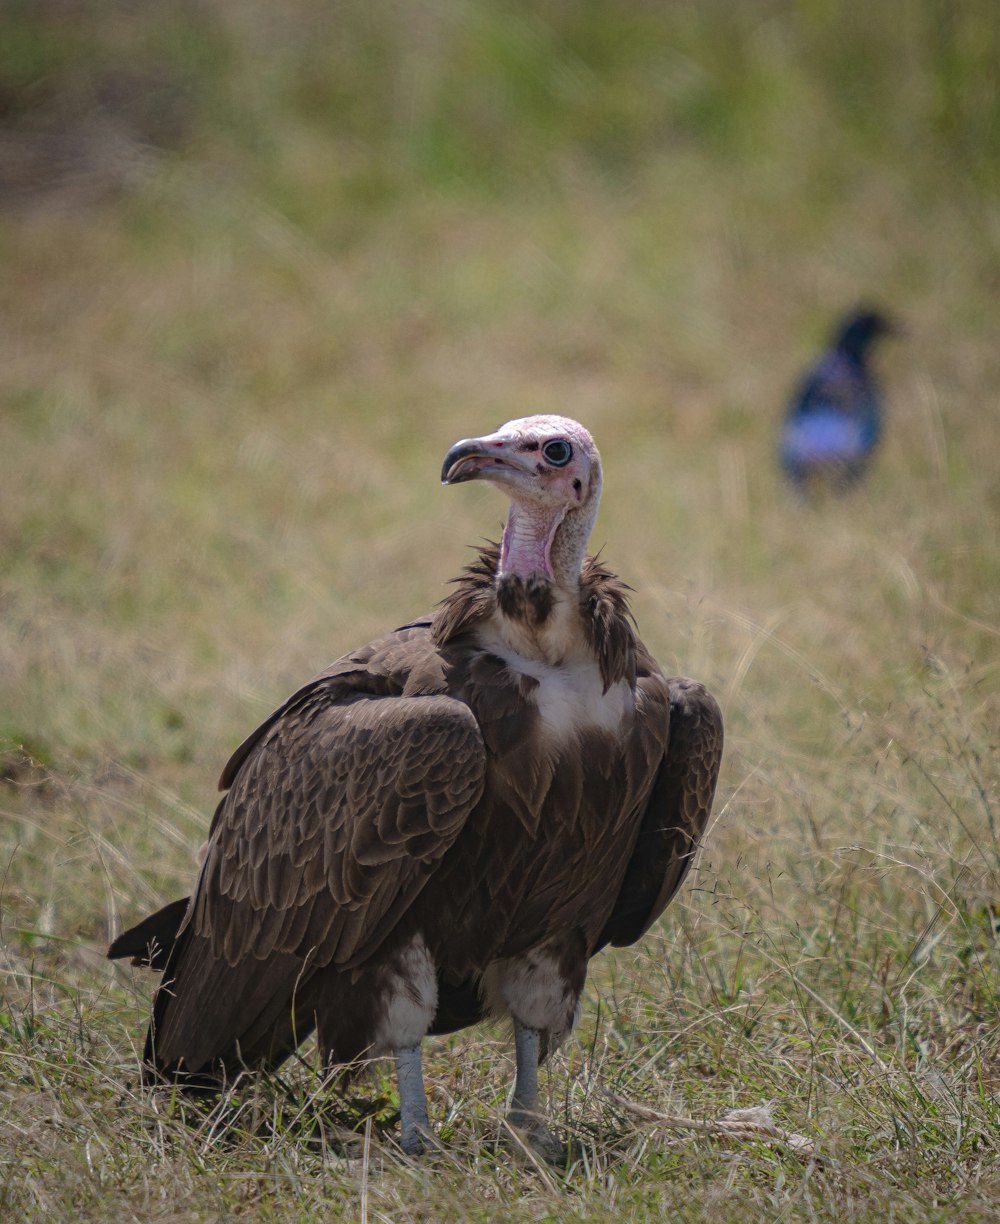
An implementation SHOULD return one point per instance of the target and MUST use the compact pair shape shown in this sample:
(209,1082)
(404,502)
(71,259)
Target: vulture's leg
(413,1124)
(525,1103)
(524,1113)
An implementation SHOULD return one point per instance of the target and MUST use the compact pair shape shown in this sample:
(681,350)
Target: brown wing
(338,813)
(333,823)
(676,814)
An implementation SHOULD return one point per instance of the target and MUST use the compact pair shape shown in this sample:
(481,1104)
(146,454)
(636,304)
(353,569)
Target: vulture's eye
(558,452)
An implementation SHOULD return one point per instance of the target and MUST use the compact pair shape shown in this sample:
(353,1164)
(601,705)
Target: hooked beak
(480,458)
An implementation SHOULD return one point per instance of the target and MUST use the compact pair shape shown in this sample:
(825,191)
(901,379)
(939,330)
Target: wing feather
(676,813)
(338,812)
(335,819)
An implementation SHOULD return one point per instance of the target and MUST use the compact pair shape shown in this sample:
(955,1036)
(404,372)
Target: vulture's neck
(538,594)
(540,545)
(538,577)
(542,542)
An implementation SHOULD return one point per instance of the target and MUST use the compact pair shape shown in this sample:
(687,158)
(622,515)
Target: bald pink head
(550,469)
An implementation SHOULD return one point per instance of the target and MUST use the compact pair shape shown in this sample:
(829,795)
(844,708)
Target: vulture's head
(540,460)
(550,469)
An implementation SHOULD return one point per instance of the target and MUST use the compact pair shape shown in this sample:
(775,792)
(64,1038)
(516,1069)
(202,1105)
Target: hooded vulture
(449,822)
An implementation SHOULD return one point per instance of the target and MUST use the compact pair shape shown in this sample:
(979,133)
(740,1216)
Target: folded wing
(675,816)
(336,818)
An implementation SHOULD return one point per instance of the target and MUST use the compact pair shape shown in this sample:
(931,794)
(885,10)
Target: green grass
(225,399)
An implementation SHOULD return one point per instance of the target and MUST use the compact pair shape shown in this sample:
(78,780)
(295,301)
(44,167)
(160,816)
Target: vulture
(834,421)
(446,824)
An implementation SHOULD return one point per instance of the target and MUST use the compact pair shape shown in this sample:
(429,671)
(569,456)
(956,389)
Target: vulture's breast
(570,697)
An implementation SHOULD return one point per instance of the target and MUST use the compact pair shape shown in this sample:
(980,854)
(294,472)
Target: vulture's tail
(151,941)
(212,1020)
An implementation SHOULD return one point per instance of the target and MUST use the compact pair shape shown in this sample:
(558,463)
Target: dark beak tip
(453,470)
(459,477)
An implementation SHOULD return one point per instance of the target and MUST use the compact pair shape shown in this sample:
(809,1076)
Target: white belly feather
(570,695)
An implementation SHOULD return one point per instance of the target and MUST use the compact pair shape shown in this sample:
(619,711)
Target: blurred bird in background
(833,424)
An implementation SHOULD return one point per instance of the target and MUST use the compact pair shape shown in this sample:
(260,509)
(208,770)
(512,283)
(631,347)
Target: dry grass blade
(753,1123)
(365,1169)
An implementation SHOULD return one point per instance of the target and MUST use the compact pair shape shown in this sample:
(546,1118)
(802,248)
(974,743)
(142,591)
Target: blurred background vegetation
(262,264)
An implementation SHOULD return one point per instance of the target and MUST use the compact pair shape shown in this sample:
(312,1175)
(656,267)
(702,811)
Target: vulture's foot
(531,1131)
(417,1142)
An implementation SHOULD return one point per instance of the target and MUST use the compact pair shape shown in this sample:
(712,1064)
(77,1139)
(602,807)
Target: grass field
(226,392)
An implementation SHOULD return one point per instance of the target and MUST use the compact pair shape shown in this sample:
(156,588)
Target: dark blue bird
(835,419)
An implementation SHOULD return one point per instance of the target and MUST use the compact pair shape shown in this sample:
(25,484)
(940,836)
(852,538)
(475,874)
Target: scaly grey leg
(525,1102)
(524,1107)
(413,1124)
